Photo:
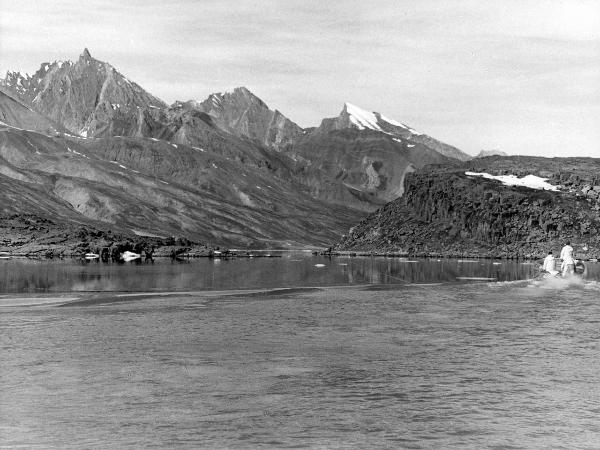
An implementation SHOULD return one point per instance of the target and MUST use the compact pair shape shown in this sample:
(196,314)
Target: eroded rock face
(445,212)
(362,168)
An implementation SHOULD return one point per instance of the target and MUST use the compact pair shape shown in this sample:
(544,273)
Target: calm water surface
(292,269)
(386,353)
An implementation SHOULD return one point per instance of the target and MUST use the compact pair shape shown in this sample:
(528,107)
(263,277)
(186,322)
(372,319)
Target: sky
(521,76)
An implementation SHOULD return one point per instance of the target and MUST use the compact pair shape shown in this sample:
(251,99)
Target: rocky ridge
(88,97)
(445,212)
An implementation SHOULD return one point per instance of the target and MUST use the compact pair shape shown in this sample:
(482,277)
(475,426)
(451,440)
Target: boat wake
(551,283)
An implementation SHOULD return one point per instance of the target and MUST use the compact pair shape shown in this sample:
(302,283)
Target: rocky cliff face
(446,212)
(89,97)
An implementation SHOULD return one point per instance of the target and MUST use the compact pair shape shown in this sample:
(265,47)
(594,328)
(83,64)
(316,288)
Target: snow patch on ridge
(530,181)
(361,118)
(366,119)
(392,121)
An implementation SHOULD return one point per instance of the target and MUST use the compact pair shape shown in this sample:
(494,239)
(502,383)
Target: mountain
(243,113)
(351,160)
(486,153)
(354,117)
(88,97)
(358,168)
(98,150)
(476,209)
(360,158)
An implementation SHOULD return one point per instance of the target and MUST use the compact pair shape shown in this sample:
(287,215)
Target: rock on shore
(35,236)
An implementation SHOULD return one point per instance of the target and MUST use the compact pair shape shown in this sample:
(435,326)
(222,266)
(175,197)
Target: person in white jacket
(568,263)
(550,264)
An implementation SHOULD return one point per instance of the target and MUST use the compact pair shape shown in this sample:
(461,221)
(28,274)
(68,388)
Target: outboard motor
(579,268)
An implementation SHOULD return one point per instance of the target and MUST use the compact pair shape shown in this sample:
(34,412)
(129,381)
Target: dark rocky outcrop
(36,236)
(448,213)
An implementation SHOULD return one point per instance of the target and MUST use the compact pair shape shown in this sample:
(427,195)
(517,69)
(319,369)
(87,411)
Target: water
(291,269)
(447,364)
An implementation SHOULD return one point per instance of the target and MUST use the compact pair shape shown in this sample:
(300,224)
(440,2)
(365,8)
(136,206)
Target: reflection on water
(292,269)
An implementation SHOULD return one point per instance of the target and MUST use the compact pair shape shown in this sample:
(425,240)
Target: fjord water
(290,269)
(385,353)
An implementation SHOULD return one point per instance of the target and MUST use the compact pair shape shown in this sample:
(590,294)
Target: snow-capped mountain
(355,117)
(352,116)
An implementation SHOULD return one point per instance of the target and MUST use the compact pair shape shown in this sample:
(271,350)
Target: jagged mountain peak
(243,95)
(89,97)
(243,113)
(244,91)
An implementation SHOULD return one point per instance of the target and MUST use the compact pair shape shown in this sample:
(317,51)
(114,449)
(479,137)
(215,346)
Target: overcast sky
(519,76)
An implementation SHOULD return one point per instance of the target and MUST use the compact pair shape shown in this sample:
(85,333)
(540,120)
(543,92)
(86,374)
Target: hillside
(445,211)
(159,189)
(362,168)
(15,114)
